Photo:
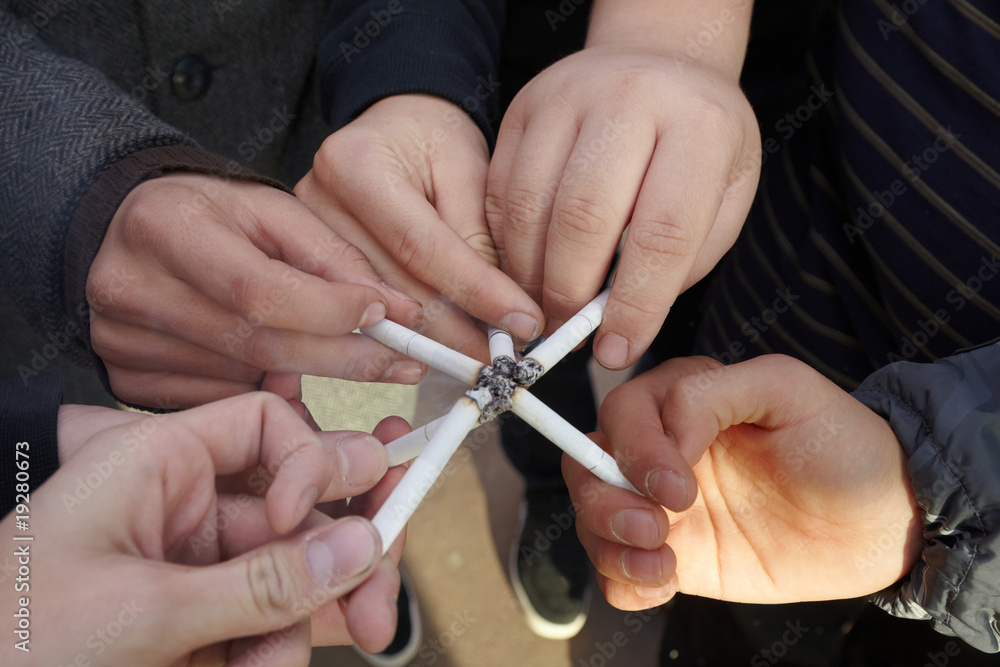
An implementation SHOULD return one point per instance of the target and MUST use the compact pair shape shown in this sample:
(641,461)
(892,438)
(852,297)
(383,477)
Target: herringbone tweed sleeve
(62,123)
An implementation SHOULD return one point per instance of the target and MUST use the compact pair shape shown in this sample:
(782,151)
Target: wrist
(714,33)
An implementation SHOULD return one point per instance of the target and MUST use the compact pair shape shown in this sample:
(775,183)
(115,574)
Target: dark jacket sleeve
(62,124)
(947,417)
(372,49)
(29,412)
(73,146)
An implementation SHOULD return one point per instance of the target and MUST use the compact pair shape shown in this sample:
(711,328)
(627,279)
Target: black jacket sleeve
(947,417)
(373,49)
(29,413)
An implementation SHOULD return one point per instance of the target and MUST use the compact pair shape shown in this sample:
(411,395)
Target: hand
(133,529)
(202,284)
(802,491)
(610,138)
(405,182)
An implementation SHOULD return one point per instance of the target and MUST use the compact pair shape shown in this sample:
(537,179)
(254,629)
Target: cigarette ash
(494,392)
(527,372)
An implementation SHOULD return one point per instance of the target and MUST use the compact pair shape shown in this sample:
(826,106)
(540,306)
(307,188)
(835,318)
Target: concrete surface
(457,552)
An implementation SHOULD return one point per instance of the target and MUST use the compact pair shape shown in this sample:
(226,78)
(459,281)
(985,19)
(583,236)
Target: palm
(782,502)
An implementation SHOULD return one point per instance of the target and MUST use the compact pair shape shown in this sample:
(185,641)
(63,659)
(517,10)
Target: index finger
(427,247)
(657,461)
(248,431)
(676,209)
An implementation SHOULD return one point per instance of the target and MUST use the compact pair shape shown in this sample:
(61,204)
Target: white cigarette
(424,471)
(548,422)
(571,334)
(422,348)
(408,447)
(501,344)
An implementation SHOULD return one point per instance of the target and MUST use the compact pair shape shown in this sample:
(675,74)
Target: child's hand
(612,137)
(801,491)
(405,182)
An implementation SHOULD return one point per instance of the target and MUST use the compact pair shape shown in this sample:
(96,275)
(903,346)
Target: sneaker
(409,629)
(549,569)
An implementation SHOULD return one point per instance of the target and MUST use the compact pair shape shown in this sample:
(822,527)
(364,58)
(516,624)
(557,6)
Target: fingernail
(667,488)
(402,295)
(647,593)
(404,372)
(641,565)
(612,351)
(636,528)
(360,462)
(342,552)
(373,313)
(521,325)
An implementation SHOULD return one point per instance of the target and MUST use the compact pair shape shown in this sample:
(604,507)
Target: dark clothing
(29,414)
(94,95)
(447,48)
(875,236)
(874,239)
(947,417)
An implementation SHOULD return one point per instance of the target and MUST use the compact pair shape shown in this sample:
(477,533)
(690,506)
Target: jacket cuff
(945,415)
(415,49)
(90,221)
(29,413)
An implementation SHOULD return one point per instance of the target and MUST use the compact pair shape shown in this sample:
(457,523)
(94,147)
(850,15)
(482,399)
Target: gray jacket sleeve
(62,124)
(947,417)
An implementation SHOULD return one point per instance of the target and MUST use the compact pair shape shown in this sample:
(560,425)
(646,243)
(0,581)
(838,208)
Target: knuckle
(558,296)
(412,248)
(261,349)
(582,218)
(524,210)
(272,587)
(482,243)
(662,238)
(250,294)
(371,367)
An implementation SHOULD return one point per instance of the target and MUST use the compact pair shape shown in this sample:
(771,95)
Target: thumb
(276,585)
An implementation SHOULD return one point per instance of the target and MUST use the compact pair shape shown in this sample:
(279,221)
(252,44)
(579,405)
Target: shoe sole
(540,625)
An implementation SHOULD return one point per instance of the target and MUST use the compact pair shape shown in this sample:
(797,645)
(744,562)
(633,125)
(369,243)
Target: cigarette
(565,339)
(408,447)
(501,344)
(422,348)
(424,471)
(547,421)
